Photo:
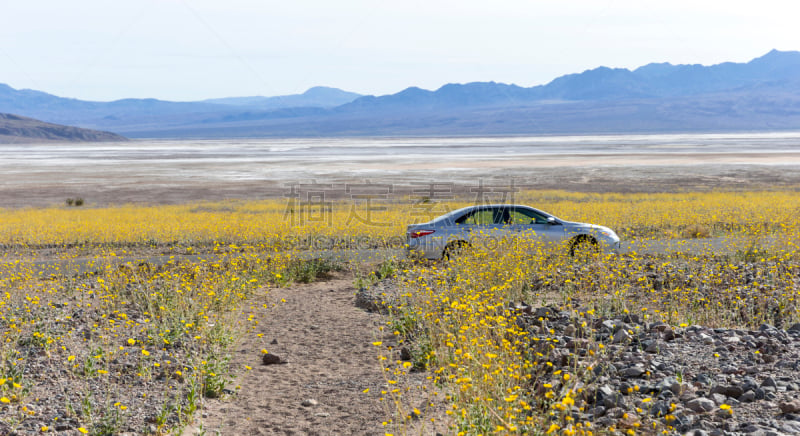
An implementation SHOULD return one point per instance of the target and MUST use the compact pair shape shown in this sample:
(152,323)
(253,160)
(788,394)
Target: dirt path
(327,342)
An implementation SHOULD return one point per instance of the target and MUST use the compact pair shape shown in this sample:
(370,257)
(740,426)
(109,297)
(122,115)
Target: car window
(481,217)
(502,216)
(518,218)
(527,216)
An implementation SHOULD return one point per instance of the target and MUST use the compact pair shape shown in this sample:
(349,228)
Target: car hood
(571,226)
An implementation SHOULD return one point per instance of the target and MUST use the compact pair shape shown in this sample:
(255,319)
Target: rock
(577,344)
(791,406)
(597,411)
(621,336)
(795,328)
(701,405)
(272,359)
(610,326)
(5,429)
(790,427)
(613,400)
(667,385)
(728,391)
(660,408)
(569,330)
(658,326)
(769,381)
(718,399)
(545,313)
(706,339)
(748,397)
(309,402)
(723,414)
(653,347)
(632,372)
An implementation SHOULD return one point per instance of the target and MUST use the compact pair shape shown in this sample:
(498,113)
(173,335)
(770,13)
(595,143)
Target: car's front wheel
(583,246)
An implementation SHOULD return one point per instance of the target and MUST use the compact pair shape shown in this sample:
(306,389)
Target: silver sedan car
(443,236)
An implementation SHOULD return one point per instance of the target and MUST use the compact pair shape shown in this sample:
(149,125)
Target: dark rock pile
(650,375)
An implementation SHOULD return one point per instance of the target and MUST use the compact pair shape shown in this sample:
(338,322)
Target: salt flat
(162,172)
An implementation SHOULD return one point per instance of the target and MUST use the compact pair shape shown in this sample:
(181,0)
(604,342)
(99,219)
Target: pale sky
(197,49)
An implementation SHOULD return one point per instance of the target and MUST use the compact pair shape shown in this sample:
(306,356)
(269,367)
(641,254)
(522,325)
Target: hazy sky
(196,49)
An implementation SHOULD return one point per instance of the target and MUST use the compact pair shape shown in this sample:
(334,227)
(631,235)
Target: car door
(487,225)
(532,225)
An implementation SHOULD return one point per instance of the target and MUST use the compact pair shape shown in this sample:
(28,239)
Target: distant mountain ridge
(17,129)
(318,96)
(763,94)
(650,81)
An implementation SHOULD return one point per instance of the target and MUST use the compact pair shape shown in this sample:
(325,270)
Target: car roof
(463,210)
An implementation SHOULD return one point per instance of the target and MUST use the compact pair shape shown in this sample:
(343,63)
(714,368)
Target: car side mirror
(551,221)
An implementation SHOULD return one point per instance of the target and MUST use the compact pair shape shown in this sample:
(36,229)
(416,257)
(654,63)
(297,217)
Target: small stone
(791,406)
(769,381)
(612,401)
(309,402)
(610,325)
(719,399)
(728,391)
(660,408)
(272,359)
(653,348)
(620,336)
(724,414)
(747,397)
(700,405)
(615,413)
(658,326)
(569,330)
(597,411)
(632,372)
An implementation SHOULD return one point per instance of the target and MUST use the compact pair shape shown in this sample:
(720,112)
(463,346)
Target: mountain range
(763,94)
(15,129)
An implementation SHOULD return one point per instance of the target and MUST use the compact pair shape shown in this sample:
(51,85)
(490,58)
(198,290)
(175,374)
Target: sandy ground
(327,343)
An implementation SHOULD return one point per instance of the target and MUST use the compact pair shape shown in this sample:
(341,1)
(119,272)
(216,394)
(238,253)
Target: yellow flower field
(154,296)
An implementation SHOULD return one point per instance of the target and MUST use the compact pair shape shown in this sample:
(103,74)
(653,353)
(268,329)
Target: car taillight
(418,233)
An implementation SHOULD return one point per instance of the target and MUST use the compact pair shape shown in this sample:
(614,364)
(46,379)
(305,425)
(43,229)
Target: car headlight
(608,233)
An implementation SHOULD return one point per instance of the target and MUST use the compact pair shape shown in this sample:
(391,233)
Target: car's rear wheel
(454,249)
(583,246)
